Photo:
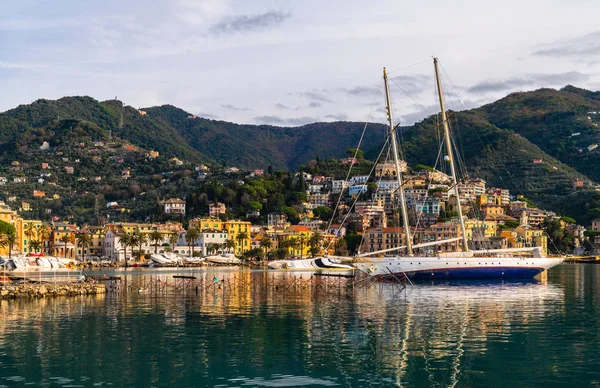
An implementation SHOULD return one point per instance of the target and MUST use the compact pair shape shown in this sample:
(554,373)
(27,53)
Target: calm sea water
(543,333)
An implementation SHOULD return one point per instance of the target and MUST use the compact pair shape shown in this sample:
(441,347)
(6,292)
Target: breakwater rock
(12,291)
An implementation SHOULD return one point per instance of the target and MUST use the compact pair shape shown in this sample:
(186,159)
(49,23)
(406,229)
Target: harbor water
(538,333)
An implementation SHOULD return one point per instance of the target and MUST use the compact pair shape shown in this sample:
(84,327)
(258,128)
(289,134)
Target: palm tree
(191,236)
(84,240)
(30,231)
(315,243)
(35,246)
(173,238)
(211,247)
(266,243)
(127,241)
(294,244)
(139,239)
(302,240)
(65,239)
(9,240)
(241,237)
(156,237)
(229,244)
(43,234)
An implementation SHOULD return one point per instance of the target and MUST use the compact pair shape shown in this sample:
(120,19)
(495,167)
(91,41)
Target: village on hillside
(366,219)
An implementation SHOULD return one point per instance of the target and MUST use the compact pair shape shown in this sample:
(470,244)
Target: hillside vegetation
(499,142)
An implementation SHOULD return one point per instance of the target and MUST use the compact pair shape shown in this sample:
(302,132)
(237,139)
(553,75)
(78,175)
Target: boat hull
(320,264)
(458,267)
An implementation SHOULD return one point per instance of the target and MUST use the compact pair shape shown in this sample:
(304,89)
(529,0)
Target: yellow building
(532,237)
(60,248)
(298,232)
(480,229)
(28,231)
(207,223)
(236,227)
(10,216)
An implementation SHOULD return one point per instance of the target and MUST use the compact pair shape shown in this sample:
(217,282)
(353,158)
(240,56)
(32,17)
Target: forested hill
(540,144)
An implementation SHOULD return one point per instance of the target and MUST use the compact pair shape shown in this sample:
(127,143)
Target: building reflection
(427,332)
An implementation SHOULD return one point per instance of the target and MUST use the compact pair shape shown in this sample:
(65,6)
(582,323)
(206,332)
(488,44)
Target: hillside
(264,145)
(499,142)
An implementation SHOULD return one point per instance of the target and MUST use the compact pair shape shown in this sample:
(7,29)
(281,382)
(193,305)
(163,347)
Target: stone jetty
(13,291)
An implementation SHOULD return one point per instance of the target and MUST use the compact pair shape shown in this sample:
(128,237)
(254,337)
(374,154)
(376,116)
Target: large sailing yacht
(468,264)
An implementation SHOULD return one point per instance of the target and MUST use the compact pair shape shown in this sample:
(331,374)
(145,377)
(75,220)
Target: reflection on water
(442,334)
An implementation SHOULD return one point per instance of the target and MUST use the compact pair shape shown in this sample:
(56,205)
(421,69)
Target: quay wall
(13,291)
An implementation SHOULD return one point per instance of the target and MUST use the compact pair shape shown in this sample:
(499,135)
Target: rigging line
(461,100)
(358,196)
(411,97)
(409,66)
(352,164)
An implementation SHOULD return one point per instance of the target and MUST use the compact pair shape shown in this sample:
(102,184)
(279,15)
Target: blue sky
(287,62)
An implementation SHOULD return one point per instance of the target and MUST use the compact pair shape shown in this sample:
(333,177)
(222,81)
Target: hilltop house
(175,206)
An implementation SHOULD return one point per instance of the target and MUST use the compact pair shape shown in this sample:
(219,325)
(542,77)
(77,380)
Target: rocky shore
(13,291)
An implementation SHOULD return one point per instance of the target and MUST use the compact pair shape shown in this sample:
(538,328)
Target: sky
(293,62)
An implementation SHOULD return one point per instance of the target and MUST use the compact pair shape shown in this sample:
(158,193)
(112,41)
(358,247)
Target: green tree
(190,238)
(229,244)
(35,246)
(266,244)
(156,238)
(8,238)
(65,239)
(341,247)
(127,241)
(173,238)
(322,212)
(83,240)
(241,237)
(353,151)
(43,234)
(314,242)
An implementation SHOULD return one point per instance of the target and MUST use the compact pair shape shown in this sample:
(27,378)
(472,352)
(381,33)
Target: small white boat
(318,263)
(161,259)
(224,258)
(43,262)
(20,262)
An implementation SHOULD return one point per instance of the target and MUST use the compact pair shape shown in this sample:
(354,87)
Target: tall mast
(397,165)
(465,247)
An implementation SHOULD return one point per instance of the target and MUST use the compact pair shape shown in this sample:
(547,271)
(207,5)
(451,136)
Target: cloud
(271,120)
(22,66)
(207,116)
(250,22)
(581,48)
(232,107)
(318,95)
(412,84)
(337,117)
(284,107)
(276,120)
(529,80)
(363,91)
(314,104)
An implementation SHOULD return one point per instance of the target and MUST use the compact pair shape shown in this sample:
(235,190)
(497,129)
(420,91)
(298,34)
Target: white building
(359,179)
(207,236)
(175,206)
(337,186)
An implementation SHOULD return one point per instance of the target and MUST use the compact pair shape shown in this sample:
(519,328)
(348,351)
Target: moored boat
(224,258)
(319,263)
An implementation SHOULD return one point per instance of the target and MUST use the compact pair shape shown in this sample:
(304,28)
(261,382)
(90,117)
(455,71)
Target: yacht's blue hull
(475,273)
